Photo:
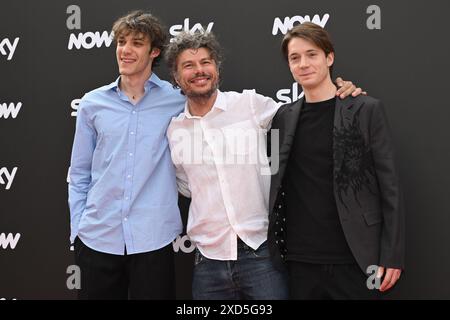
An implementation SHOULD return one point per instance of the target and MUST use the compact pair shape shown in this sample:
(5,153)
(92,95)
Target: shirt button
(131,154)
(134,112)
(128,176)
(132,132)
(125,219)
(126,198)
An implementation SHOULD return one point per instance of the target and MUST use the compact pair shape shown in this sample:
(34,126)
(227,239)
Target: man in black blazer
(336,214)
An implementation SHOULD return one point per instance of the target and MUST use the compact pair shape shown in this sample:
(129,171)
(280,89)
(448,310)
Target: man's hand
(390,278)
(346,88)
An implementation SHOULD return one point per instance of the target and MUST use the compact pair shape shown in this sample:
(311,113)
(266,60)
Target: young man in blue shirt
(122,191)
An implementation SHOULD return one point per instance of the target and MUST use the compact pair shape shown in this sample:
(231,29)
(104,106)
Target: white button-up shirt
(221,163)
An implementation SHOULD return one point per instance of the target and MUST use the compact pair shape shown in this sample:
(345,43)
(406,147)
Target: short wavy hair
(188,40)
(140,21)
(310,32)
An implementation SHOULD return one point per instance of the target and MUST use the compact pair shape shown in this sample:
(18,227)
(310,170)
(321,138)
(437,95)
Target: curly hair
(143,22)
(187,40)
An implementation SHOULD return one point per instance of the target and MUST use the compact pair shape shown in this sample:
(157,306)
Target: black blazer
(366,183)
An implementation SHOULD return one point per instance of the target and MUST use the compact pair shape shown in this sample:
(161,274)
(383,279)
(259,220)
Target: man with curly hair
(218,146)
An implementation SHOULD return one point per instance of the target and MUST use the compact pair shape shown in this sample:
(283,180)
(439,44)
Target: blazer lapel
(287,126)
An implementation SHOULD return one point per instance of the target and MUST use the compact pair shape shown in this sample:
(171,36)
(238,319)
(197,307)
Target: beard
(202,95)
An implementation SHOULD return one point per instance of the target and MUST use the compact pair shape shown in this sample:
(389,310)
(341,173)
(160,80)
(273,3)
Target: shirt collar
(153,81)
(220,103)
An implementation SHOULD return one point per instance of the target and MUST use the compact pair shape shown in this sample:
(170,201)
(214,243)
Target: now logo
(288,23)
(180,244)
(9,109)
(89,40)
(178,28)
(9,240)
(86,40)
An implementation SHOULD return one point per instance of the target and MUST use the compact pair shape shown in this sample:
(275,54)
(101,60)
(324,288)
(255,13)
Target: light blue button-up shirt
(122,189)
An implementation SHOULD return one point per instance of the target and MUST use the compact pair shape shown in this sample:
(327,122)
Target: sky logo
(178,28)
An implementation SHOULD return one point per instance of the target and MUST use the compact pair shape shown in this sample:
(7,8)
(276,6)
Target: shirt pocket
(372,217)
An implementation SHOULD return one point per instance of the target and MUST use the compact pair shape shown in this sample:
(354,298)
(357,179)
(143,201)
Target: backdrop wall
(52,52)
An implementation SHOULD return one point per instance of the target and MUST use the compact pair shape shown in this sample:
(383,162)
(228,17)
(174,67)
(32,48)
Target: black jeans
(308,281)
(149,275)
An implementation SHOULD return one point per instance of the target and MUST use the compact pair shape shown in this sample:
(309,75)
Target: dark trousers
(148,275)
(308,281)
